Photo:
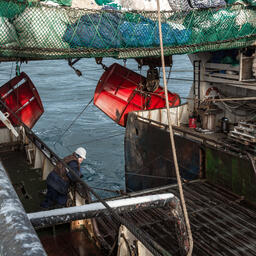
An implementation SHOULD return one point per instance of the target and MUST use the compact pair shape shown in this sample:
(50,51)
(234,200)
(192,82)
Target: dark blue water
(64,96)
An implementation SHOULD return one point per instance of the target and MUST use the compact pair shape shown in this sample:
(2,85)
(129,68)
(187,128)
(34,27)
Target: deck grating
(222,224)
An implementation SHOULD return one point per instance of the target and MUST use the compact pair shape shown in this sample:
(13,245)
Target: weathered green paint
(232,172)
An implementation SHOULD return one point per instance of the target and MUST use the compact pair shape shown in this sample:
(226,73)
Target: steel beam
(66,215)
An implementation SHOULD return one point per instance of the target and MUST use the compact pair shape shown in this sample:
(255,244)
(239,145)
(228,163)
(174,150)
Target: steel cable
(73,122)
(99,139)
(151,176)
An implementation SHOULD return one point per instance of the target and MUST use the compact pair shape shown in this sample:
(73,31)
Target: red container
(118,93)
(192,122)
(21,96)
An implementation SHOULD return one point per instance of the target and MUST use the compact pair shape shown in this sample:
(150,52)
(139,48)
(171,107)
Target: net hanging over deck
(37,30)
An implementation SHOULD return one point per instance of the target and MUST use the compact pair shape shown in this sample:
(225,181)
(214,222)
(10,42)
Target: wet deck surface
(27,181)
(28,185)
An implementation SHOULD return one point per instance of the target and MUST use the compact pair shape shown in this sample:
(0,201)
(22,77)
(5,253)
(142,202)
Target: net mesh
(38,31)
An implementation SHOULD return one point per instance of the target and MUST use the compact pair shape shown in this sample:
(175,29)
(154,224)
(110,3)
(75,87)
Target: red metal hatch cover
(21,96)
(118,93)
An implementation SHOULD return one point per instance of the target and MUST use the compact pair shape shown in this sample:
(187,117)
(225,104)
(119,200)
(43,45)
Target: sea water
(64,95)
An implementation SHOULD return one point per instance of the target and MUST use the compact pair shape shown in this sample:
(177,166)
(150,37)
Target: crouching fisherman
(59,180)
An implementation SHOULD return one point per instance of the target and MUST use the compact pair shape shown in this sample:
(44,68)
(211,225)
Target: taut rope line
(183,203)
(73,121)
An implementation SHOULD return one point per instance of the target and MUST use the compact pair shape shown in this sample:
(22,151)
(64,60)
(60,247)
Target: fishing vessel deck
(28,184)
(221,208)
(222,223)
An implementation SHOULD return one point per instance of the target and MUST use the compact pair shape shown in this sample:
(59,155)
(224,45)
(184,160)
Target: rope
(73,122)
(99,139)
(127,244)
(232,99)
(18,68)
(121,192)
(151,176)
(11,71)
(169,75)
(172,138)
(181,79)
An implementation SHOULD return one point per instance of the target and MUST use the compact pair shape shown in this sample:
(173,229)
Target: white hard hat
(81,152)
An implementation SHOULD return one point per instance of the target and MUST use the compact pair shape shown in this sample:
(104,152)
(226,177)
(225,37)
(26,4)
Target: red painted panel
(118,93)
(21,96)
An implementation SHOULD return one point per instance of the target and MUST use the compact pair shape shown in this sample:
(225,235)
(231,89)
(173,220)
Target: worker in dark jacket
(58,181)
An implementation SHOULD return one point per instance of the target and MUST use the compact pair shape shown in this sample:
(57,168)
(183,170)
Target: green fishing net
(62,2)
(39,30)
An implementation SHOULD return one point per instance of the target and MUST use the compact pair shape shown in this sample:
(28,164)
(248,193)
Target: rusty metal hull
(148,156)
